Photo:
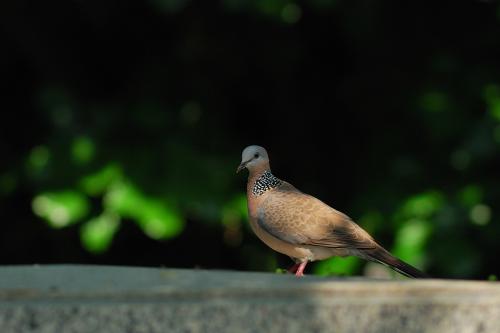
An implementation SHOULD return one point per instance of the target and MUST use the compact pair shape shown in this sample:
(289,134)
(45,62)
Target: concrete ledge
(72,298)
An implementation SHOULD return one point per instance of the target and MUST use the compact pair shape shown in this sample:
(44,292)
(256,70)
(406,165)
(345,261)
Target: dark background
(123,122)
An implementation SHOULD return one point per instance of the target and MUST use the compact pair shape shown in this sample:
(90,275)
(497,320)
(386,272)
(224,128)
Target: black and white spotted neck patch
(265,182)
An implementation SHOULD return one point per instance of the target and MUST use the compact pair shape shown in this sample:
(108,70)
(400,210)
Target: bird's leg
(300,269)
(294,268)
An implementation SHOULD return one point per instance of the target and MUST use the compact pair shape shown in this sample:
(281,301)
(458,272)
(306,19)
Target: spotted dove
(303,227)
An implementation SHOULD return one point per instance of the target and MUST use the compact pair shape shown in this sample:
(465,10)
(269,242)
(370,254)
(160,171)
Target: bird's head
(254,158)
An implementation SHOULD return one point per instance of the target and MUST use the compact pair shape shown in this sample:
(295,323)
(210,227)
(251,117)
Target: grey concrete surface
(73,298)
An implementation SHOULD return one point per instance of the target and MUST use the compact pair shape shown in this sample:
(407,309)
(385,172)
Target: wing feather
(301,219)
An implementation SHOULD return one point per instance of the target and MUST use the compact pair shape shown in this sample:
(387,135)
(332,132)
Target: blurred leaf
(337,266)
(96,234)
(480,214)
(61,209)
(411,239)
(98,182)
(157,218)
(491,94)
(83,150)
(235,210)
(422,205)
(471,195)
(371,221)
(233,213)
(280,271)
(38,159)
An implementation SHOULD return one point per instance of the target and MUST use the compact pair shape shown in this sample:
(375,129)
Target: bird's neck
(261,182)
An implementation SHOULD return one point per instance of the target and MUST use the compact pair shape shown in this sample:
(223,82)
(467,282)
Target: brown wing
(298,218)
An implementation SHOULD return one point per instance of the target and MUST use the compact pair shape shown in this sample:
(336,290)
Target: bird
(303,227)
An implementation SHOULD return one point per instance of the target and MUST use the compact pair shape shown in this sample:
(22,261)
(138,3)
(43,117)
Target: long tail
(384,257)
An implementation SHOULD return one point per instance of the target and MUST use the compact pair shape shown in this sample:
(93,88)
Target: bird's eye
(256,155)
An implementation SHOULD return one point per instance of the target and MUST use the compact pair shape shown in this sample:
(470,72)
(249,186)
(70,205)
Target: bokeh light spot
(96,234)
(492,96)
(337,266)
(471,195)
(411,239)
(82,150)
(157,218)
(422,205)
(98,182)
(480,214)
(38,158)
(60,209)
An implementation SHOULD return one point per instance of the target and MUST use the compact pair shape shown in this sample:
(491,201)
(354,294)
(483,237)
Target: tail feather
(384,257)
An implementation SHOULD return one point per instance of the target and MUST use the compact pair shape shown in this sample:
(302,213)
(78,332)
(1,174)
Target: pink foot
(300,269)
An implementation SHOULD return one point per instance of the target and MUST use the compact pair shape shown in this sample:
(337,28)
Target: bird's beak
(242,166)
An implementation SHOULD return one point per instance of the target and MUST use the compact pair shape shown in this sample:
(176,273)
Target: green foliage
(411,240)
(421,205)
(97,233)
(157,218)
(139,118)
(38,159)
(337,266)
(471,195)
(83,150)
(492,97)
(280,271)
(235,210)
(61,209)
(480,214)
(99,182)
(415,220)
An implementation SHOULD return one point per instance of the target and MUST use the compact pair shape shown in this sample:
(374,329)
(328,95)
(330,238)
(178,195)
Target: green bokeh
(97,234)
(83,150)
(157,218)
(61,209)
(128,124)
(337,266)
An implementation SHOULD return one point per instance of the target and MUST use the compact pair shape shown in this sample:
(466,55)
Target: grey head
(253,157)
